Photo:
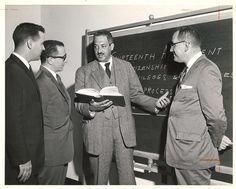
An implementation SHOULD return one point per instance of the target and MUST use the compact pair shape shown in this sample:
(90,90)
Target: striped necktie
(183,73)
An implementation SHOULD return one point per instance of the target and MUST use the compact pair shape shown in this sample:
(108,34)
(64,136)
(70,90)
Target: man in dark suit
(108,130)
(24,119)
(197,121)
(56,105)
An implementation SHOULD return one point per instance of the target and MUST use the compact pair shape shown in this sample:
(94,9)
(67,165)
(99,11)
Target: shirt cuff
(156,110)
(92,114)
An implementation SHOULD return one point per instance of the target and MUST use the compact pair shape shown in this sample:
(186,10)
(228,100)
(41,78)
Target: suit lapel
(26,70)
(98,74)
(117,67)
(62,91)
(194,66)
(190,71)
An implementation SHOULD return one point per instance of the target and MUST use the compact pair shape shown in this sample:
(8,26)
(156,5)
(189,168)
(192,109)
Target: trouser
(53,175)
(97,167)
(193,177)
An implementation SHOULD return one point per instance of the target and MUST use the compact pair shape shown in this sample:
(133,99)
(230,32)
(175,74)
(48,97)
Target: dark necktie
(107,69)
(183,73)
(60,84)
(31,71)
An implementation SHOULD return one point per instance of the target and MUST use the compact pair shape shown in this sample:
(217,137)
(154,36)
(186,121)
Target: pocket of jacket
(188,136)
(187,94)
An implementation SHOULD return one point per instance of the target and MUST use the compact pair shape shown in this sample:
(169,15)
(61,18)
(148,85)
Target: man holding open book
(109,129)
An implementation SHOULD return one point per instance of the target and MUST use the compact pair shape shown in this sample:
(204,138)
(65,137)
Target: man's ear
(29,43)
(187,46)
(112,46)
(50,60)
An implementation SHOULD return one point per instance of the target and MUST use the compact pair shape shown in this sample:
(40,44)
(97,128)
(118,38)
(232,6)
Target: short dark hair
(25,30)
(188,31)
(104,33)
(50,48)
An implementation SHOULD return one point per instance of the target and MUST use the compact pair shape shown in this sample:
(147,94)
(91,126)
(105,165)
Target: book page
(89,92)
(110,91)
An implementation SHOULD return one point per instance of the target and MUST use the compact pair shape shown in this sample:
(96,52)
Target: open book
(111,93)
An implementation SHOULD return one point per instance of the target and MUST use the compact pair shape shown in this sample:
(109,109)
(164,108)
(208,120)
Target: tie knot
(58,77)
(107,64)
(31,71)
(185,69)
(108,71)
(183,73)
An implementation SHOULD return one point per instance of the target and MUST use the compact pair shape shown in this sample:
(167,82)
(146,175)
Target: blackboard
(149,54)
(148,51)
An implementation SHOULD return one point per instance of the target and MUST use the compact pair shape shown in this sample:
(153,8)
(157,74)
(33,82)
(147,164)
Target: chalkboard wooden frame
(199,16)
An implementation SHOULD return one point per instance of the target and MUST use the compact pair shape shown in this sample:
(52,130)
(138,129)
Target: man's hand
(25,171)
(163,101)
(99,106)
(224,143)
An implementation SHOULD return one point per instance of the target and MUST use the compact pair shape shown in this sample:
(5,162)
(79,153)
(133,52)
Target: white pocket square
(186,87)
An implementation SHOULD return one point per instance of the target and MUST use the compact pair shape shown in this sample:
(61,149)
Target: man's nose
(99,49)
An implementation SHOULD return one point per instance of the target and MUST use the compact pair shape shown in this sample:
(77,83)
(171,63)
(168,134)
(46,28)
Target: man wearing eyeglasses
(197,121)
(56,105)
(109,130)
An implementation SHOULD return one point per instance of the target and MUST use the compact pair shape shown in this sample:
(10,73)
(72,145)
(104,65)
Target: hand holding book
(110,93)
(99,106)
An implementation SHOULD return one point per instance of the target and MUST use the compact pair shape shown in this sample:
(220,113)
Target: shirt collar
(52,72)
(26,63)
(193,60)
(103,63)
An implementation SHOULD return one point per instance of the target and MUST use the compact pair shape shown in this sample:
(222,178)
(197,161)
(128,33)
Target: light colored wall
(15,15)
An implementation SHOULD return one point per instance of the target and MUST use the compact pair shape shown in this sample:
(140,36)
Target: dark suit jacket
(58,127)
(197,120)
(93,76)
(24,118)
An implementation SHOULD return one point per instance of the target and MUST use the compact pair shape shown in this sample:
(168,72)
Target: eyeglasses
(62,57)
(173,44)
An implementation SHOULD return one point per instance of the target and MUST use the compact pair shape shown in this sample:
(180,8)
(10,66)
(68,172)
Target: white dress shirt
(22,59)
(52,72)
(193,60)
(103,64)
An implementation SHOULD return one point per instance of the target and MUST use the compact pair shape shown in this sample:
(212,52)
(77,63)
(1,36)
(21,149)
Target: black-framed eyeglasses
(173,44)
(62,57)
